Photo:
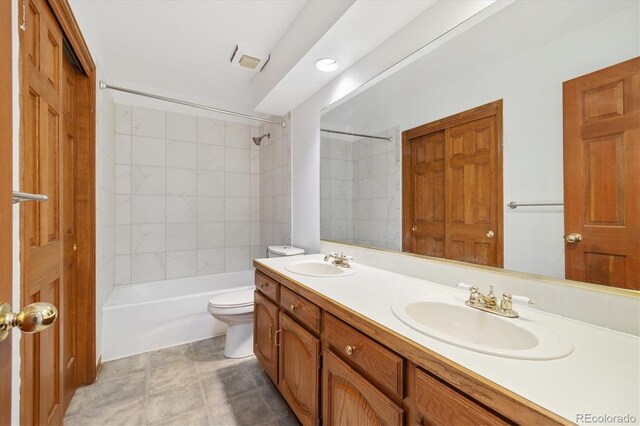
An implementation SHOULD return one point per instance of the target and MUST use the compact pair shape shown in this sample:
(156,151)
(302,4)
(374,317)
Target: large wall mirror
(514,143)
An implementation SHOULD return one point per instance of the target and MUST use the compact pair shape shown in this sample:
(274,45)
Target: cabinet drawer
(440,404)
(377,363)
(267,286)
(300,308)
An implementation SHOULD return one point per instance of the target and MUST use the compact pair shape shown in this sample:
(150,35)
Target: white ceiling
(182,48)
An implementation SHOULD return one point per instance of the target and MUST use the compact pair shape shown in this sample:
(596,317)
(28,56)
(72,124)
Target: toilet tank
(281,251)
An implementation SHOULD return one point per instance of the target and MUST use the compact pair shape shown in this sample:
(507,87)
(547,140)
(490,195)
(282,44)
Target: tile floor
(192,384)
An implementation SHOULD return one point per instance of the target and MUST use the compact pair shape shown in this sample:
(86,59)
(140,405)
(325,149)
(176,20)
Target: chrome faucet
(489,303)
(341,259)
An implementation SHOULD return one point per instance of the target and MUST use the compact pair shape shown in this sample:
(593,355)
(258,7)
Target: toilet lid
(233,298)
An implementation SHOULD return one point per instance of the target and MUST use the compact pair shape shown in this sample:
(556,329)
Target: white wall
(187,198)
(509,56)
(105,203)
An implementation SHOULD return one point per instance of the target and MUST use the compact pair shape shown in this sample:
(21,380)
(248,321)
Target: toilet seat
(233,298)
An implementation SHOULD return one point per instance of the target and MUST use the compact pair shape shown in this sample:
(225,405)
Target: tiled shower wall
(360,192)
(336,189)
(188,195)
(377,191)
(275,185)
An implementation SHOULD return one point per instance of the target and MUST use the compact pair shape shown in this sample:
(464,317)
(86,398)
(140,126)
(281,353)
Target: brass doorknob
(350,350)
(32,319)
(293,307)
(573,238)
(490,234)
(414,228)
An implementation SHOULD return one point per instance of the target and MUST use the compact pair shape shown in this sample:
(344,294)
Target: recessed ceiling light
(327,64)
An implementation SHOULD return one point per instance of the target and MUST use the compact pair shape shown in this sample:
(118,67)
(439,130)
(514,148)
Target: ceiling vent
(249,58)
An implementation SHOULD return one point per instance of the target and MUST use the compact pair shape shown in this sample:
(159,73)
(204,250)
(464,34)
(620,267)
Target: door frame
(85,190)
(85,201)
(6,198)
(491,109)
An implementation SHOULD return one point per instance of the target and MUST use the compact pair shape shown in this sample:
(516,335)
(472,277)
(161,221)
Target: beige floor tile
(130,413)
(124,367)
(172,376)
(110,393)
(79,401)
(174,402)
(193,418)
(168,356)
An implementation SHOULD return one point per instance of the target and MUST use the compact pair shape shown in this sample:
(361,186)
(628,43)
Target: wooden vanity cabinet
(335,368)
(299,369)
(437,403)
(265,324)
(287,350)
(350,399)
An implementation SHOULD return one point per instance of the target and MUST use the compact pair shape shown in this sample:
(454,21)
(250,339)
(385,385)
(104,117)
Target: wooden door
(452,187)
(472,235)
(6,188)
(69,313)
(348,399)
(602,176)
(438,404)
(299,370)
(41,246)
(265,324)
(425,183)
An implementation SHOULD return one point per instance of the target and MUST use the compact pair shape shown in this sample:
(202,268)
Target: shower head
(258,139)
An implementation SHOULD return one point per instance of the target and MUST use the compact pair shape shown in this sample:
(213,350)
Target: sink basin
(453,322)
(319,268)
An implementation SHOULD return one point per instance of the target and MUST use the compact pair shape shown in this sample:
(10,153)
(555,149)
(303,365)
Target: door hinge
(320,362)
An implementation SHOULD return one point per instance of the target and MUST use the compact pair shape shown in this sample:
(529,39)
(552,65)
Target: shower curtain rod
(357,134)
(104,85)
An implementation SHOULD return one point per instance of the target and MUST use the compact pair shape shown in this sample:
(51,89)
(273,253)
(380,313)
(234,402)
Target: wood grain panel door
(265,324)
(452,187)
(69,355)
(349,399)
(299,370)
(472,204)
(6,209)
(41,245)
(425,186)
(438,404)
(602,176)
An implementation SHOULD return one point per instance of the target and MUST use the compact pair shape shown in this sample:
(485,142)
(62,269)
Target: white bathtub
(143,317)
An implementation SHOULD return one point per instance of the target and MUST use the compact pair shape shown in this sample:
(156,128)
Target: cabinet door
(439,404)
(299,376)
(265,324)
(349,399)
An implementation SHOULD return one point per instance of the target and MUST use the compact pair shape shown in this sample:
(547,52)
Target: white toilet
(235,307)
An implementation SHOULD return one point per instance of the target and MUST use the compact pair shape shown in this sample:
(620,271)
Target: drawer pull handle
(270,331)
(261,284)
(294,307)
(350,350)
(276,341)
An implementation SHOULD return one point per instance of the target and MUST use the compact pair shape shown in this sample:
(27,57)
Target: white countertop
(600,377)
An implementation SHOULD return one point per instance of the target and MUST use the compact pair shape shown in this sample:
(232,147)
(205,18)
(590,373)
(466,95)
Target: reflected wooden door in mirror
(452,187)
(602,176)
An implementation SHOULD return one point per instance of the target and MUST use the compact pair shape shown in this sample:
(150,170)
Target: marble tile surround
(187,195)
(191,384)
(360,190)
(275,185)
